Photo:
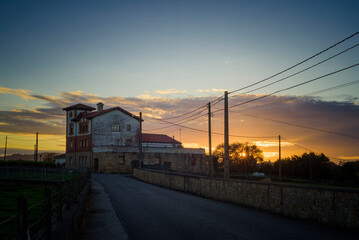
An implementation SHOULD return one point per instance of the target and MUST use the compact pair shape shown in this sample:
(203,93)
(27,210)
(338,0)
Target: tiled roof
(95,114)
(80,107)
(157,138)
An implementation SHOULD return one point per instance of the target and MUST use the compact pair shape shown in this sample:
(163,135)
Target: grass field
(8,205)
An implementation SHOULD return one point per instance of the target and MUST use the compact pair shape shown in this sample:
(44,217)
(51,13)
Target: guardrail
(64,192)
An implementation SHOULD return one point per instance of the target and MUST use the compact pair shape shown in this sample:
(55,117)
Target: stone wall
(326,205)
(115,159)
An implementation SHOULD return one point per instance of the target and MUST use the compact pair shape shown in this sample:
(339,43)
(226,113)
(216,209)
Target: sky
(165,58)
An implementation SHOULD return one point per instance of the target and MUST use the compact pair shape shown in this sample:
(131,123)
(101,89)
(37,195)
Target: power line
(306,69)
(215,101)
(276,102)
(309,149)
(205,131)
(302,126)
(287,69)
(308,94)
(294,86)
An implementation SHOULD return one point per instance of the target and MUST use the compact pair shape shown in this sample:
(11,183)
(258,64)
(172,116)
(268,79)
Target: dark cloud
(341,117)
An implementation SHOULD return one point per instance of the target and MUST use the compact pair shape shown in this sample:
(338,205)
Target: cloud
(210,90)
(350,158)
(271,143)
(194,145)
(171,91)
(25,94)
(270,154)
(147,97)
(313,112)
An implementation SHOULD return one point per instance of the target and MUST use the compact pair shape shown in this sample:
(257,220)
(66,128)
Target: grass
(8,206)
(37,175)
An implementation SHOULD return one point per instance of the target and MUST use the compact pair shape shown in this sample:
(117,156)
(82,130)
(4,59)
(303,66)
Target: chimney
(99,107)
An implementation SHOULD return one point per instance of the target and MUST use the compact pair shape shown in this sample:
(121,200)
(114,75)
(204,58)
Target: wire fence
(37,174)
(35,222)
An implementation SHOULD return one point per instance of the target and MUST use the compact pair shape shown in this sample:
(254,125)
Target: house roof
(79,106)
(90,115)
(95,114)
(157,138)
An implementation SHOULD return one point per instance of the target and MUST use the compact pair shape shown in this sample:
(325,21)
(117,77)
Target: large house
(108,140)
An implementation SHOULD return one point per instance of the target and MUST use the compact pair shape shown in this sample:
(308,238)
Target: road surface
(151,212)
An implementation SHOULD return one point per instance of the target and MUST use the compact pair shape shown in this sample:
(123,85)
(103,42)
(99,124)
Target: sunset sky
(166,58)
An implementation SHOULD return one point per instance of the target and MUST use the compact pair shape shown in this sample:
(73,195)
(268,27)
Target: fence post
(22,223)
(76,190)
(47,214)
(68,197)
(59,202)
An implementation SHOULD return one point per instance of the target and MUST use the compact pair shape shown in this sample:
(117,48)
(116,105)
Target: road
(151,212)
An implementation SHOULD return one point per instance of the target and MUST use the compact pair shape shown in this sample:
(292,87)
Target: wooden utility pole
(226,137)
(211,166)
(5,148)
(37,147)
(280,159)
(140,141)
(310,169)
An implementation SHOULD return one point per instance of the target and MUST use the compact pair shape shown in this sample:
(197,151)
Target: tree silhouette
(243,157)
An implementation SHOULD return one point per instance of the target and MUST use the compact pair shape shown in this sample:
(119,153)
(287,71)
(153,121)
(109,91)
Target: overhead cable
(305,69)
(294,86)
(302,126)
(287,69)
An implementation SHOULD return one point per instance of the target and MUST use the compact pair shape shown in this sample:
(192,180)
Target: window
(193,161)
(84,127)
(128,128)
(83,143)
(121,159)
(116,128)
(71,131)
(128,142)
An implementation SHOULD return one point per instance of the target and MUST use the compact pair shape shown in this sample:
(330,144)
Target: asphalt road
(151,212)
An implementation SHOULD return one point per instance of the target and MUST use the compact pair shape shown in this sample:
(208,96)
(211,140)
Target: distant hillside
(27,157)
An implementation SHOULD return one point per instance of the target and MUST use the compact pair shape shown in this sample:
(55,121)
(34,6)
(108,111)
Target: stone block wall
(326,205)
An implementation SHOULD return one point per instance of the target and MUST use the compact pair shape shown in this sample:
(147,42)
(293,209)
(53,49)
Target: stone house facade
(108,140)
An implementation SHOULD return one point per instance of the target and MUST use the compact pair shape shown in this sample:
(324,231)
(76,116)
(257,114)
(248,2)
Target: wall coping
(334,189)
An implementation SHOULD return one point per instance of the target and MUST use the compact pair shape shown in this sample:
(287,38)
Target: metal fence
(61,192)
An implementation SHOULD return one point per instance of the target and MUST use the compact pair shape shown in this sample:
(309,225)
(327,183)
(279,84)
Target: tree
(309,165)
(243,157)
(351,170)
(49,157)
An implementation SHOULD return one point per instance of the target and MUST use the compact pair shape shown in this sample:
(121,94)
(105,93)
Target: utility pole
(37,146)
(226,137)
(211,166)
(180,130)
(310,169)
(280,159)
(5,148)
(140,141)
